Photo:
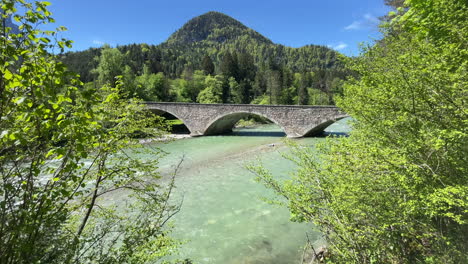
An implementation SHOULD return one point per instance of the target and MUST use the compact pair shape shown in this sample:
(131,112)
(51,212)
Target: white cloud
(339,46)
(98,42)
(354,26)
(367,21)
(371,19)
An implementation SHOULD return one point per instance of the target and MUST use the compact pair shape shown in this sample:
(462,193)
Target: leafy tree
(396,190)
(237,93)
(336,87)
(213,92)
(63,149)
(181,88)
(111,65)
(317,97)
(188,90)
(129,78)
(152,87)
(197,85)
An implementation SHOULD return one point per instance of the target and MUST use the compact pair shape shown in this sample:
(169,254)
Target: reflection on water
(335,134)
(245,132)
(223,218)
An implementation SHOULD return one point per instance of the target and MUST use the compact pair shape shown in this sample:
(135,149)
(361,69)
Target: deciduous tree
(213,92)
(396,190)
(64,149)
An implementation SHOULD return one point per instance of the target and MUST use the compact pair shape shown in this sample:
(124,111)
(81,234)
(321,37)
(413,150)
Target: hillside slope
(211,34)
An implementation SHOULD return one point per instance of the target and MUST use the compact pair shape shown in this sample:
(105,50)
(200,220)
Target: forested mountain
(9,24)
(245,66)
(215,27)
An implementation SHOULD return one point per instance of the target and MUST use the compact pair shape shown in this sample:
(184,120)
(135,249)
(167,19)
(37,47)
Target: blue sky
(340,24)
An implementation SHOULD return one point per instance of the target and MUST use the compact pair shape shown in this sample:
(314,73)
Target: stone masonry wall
(296,121)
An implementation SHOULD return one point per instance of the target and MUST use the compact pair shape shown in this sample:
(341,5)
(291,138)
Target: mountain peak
(217,17)
(212,26)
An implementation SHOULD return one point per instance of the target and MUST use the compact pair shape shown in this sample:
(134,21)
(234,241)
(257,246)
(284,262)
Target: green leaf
(60,117)
(51,152)
(7,74)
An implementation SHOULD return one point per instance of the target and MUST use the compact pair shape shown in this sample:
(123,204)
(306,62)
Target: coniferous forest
(214,58)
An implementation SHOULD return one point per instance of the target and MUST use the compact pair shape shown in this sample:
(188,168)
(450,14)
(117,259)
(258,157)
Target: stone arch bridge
(211,119)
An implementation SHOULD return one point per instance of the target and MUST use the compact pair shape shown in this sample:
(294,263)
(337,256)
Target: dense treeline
(215,59)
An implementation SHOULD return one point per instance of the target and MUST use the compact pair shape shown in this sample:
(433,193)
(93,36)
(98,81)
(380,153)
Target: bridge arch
(161,112)
(319,128)
(225,122)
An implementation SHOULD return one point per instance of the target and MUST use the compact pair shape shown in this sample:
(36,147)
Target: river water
(223,218)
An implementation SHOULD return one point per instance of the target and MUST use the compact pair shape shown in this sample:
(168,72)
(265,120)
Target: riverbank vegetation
(63,150)
(396,190)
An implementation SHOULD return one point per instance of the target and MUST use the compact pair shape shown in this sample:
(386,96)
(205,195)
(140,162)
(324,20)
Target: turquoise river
(223,218)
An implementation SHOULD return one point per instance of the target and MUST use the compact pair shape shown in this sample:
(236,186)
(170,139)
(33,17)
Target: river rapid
(223,218)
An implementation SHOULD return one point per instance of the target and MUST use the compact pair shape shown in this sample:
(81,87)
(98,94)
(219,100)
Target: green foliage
(303,91)
(395,3)
(213,92)
(182,90)
(396,190)
(215,27)
(111,65)
(82,63)
(246,123)
(187,90)
(317,97)
(207,65)
(64,149)
(236,88)
(217,45)
(153,87)
(230,65)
